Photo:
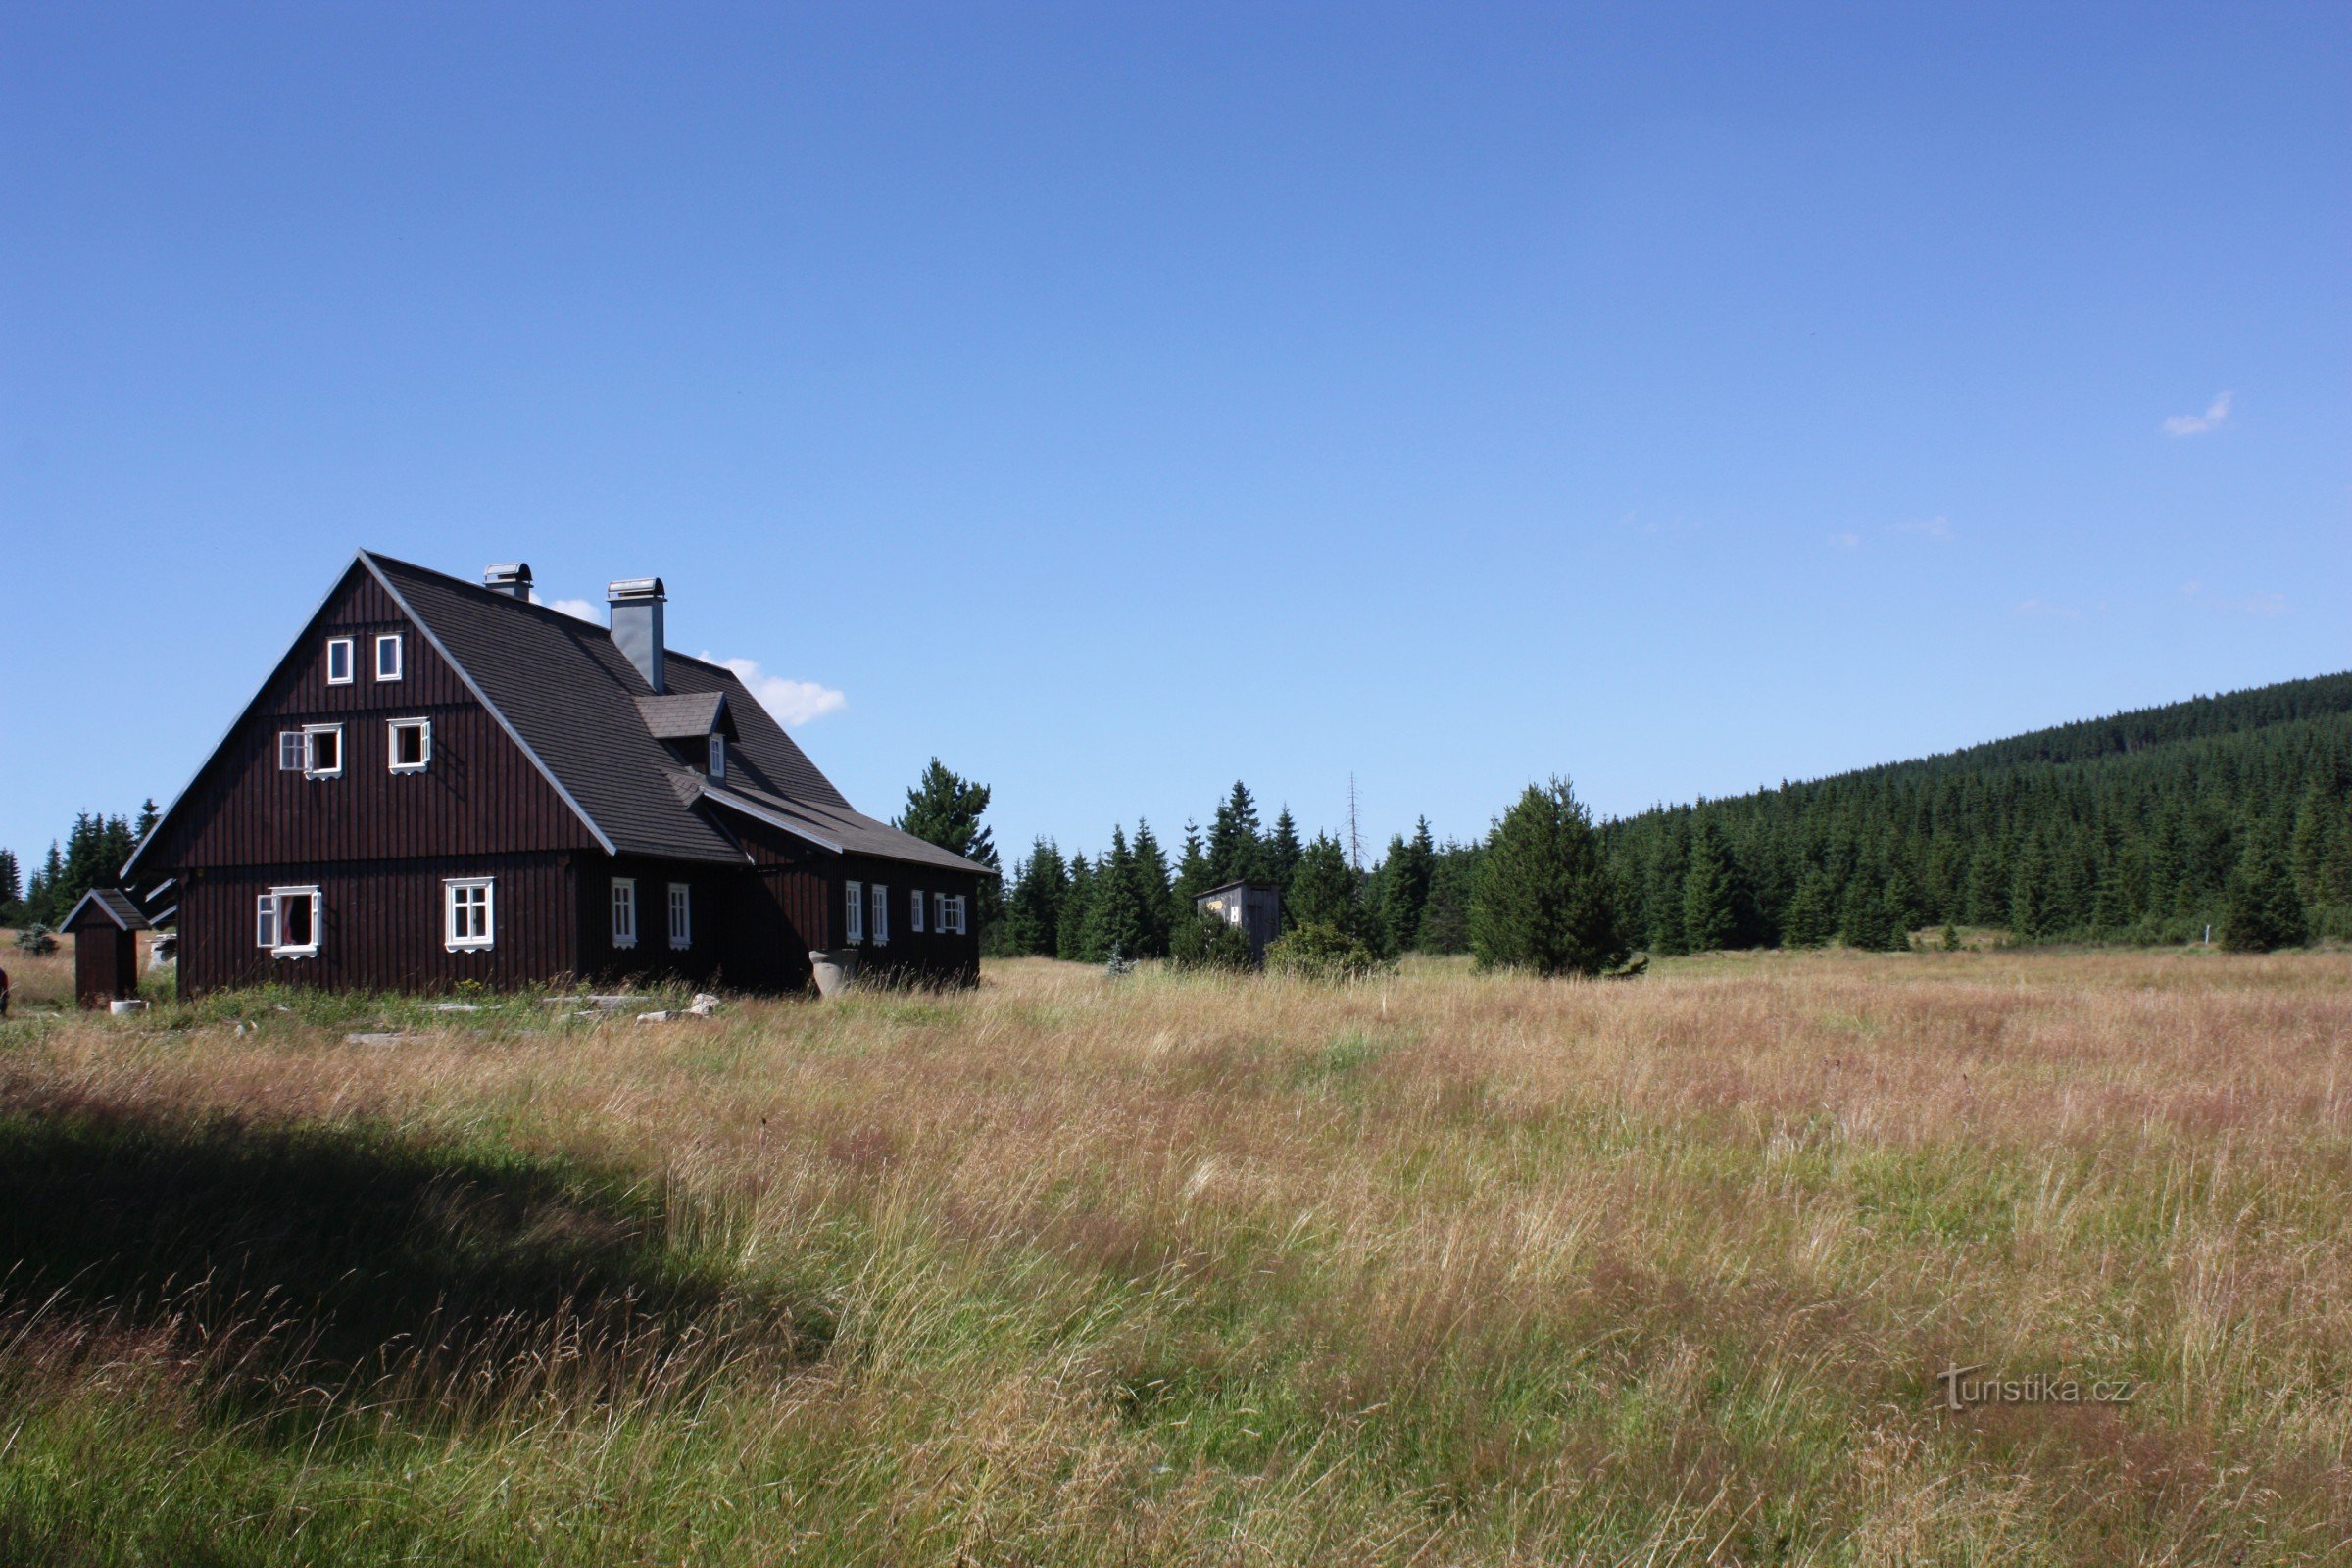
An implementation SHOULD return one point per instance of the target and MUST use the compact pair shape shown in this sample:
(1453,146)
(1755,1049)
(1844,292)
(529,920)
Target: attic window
(411,744)
(338,662)
(387,657)
(718,754)
(322,751)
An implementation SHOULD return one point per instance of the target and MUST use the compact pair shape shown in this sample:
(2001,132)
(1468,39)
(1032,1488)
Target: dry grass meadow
(1445,1270)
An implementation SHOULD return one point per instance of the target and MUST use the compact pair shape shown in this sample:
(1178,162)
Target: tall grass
(1439,1269)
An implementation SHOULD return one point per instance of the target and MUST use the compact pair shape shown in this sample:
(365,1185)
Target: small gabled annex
(442,781)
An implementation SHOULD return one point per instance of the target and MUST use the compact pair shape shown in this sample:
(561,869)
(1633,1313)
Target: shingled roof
(573,701)
(585,716)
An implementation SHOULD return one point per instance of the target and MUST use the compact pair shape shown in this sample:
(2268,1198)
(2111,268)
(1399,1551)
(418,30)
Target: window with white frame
(955,914)
(718,754)
(291,750)
(411,744)
(681,914)
(387,657)
(881,931)
(286,922)
(322,751)
(338,662)
(939,911)
(854,907)
(468,920)
(624,911)
(915,910)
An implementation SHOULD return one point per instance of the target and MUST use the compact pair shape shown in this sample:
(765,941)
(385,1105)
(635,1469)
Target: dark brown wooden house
(442,781)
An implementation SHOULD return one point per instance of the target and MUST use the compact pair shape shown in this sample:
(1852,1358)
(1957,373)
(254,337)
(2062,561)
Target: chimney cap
(634,588)
(507,572)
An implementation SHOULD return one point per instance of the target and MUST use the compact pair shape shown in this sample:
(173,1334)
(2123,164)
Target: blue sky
(1119,400)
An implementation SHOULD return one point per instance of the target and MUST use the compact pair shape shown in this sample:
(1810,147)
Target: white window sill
(467,946)
(293,952)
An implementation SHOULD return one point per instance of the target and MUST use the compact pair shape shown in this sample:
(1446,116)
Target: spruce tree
(1073,933)
(1405,887)
(1709,920)
(1446,918)
(1544,901)
(1323,889)
(11,890)
(1279,861)
(40,898)
(2263,910)
(148,817)
(1119,922)
(1041,882)
(1154,894)
(1234,852)
(1812,917)
(1663,897)
(1192,871)
(944,809)
(2030,894)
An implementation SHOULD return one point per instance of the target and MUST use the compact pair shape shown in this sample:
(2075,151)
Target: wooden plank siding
(911,956)
(381,925)
(481,795)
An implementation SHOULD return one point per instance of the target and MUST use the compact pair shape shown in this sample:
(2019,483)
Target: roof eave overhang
(733,802)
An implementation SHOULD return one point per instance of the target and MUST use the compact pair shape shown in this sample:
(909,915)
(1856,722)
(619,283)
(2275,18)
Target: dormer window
(718,754)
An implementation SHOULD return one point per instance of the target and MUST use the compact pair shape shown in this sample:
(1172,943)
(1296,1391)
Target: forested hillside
(2131,827)
(2147,826)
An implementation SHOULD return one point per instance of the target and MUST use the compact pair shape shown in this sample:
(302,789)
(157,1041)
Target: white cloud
(794,702)
(2035,608)
(579,607)
(1848,541)
(2198,423)
(1939,527)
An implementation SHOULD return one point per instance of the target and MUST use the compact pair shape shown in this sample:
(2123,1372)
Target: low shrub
(1208,942)
(1322,952)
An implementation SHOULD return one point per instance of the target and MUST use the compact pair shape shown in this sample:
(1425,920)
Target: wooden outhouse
(106,927)
(1255,907)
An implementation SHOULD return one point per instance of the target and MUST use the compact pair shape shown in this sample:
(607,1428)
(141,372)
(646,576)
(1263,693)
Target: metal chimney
(510,577)
(637,625)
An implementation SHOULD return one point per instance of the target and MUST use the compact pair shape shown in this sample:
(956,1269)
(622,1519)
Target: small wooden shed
(1255,907)
(106,927)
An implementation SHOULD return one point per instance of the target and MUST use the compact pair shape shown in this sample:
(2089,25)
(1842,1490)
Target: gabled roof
(111,904)
(587,719)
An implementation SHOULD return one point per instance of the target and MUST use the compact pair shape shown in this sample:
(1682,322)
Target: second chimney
(510,577)
(637,625)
